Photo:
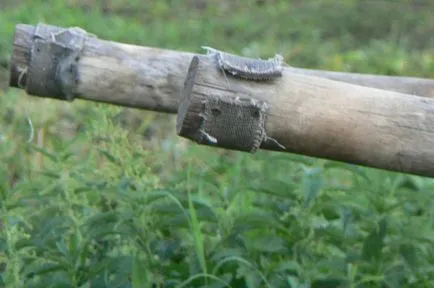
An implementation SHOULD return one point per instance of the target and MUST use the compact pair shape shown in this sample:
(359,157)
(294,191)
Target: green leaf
(226,278)
(254,220)
(75,243)
(240,262)
(109,156)
(264,242)
(395,277)
(99,219)
(197,234)
(204,212)
(408,252)
(139,273)
(44,152)
(251,278)
(38,268)
(167,249)
(330,211)
(330,235)
(312,184)
(222,253)
(152,196)
(54,279)
(121,271)
(293,281)
(289,266)
(107,223)
(407,182)
(61,247)
(169,221)
(275,187)
(97,269)
(374,243)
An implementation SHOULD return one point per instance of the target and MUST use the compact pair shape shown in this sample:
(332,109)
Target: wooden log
(305,114)
(134,76)
(308,115)
(409,85)
(110,72)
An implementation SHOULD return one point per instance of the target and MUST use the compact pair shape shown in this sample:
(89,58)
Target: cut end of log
(185,126)
(20,55)
(44,60)
(211,118)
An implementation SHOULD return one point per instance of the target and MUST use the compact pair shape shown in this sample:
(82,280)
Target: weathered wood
(409,85)
(306,114)
(152,78)
(313,116)
(116,73)
(224,119)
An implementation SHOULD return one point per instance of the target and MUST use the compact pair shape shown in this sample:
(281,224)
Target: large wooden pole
(308,115)
(141,77)
(408,85)
(297,113)
(120,74)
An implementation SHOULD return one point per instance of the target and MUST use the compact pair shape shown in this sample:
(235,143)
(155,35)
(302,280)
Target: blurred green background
(93,195)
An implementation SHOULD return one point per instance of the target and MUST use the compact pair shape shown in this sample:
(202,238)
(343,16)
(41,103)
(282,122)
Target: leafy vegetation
(93,195)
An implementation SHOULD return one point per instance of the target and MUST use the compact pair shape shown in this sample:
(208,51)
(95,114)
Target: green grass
(103,196)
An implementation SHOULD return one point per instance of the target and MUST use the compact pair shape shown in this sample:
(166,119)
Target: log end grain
(206,115)
(20,58)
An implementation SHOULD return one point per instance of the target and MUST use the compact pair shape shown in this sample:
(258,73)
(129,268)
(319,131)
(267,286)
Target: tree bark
(308,115)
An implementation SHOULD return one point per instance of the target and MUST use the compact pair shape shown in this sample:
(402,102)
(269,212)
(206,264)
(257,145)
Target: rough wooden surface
(120,74)
(328,119)
(225,119)
(152,78)
(408,85)
(308,115)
